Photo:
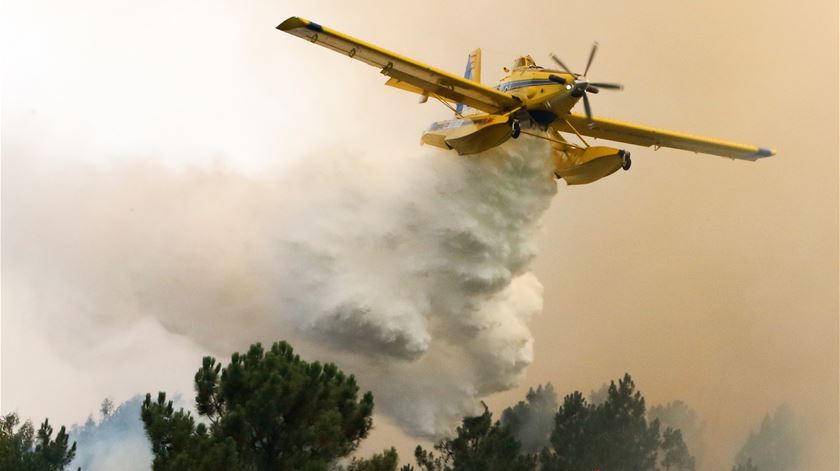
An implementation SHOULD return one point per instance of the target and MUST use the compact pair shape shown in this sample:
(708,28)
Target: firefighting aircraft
(530,100)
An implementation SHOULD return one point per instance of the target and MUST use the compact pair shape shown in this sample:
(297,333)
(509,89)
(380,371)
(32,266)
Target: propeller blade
(561,64)
(592,89)
(587,108)
(591,57)
(607,85)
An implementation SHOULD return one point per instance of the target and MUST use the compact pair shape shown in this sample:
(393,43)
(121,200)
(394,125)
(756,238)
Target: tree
(676,455)
(24,449)
(614,434)
(106,408)
(571,439)
(386,461)
(678,415)
(479,445)
(777,443)
(265,410)
(628,440)
(179,443)
(532,420)
(745,466)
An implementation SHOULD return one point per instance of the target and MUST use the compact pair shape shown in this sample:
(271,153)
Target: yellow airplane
(530,100)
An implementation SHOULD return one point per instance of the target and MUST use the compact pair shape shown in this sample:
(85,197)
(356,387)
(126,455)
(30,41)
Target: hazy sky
(709,280)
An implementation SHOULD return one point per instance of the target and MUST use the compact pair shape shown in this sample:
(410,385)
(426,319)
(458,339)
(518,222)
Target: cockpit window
(524,61)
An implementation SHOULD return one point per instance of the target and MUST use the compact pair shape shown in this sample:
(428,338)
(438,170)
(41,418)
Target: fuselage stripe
(523,83)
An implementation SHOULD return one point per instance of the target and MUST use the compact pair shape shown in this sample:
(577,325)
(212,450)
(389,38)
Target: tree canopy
(479,445)
(614,434)
(22,448)
(385,461)
(264,410)
(678,415)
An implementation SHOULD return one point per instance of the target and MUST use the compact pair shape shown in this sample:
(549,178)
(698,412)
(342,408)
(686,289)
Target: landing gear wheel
(626,162)
(515,130)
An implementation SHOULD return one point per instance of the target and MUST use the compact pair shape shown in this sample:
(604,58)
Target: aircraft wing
(405,73)
(647,136)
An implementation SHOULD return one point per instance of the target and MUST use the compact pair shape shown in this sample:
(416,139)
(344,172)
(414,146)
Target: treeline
(272,410)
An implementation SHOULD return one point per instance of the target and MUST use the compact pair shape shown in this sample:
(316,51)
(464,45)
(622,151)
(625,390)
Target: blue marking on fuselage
(762,152)
(314,26)
(523,83)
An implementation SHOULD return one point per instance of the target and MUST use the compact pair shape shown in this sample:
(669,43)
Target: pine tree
(777,444)
(532,420)
(678,415)
(265,410)
(676,455)
(106,408)
(480,445)
(571,440)
(385,461)
(614,434)
(24,449)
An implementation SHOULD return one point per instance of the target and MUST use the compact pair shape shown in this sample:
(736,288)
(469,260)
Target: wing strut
(576,133)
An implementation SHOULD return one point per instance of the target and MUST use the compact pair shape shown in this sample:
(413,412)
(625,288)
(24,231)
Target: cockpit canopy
(524,62)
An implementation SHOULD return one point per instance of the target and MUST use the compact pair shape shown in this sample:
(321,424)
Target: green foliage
(15,445)
(385,461)
(572,436)
(480,445)
(676,455)
(677,415)
(266,410)
(532,420)
(24,449)
(178,443)
(614,434)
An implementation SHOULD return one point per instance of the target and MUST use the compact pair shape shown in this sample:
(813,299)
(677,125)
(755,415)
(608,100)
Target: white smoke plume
(410,270)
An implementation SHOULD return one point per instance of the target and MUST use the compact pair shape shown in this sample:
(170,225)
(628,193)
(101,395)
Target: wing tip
(765,152)
(294,22)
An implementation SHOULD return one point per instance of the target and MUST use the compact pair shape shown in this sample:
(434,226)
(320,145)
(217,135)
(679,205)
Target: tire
(515,130)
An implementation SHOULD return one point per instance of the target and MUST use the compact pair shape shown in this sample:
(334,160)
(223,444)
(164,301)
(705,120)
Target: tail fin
(473,73)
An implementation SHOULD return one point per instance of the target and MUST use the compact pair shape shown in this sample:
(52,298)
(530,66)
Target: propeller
(581,86)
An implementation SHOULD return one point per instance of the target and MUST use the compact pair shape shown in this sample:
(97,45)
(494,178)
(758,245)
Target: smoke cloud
(411,271)
(117,441)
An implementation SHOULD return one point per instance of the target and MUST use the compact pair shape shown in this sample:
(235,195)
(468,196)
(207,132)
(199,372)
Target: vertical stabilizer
(473,73)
